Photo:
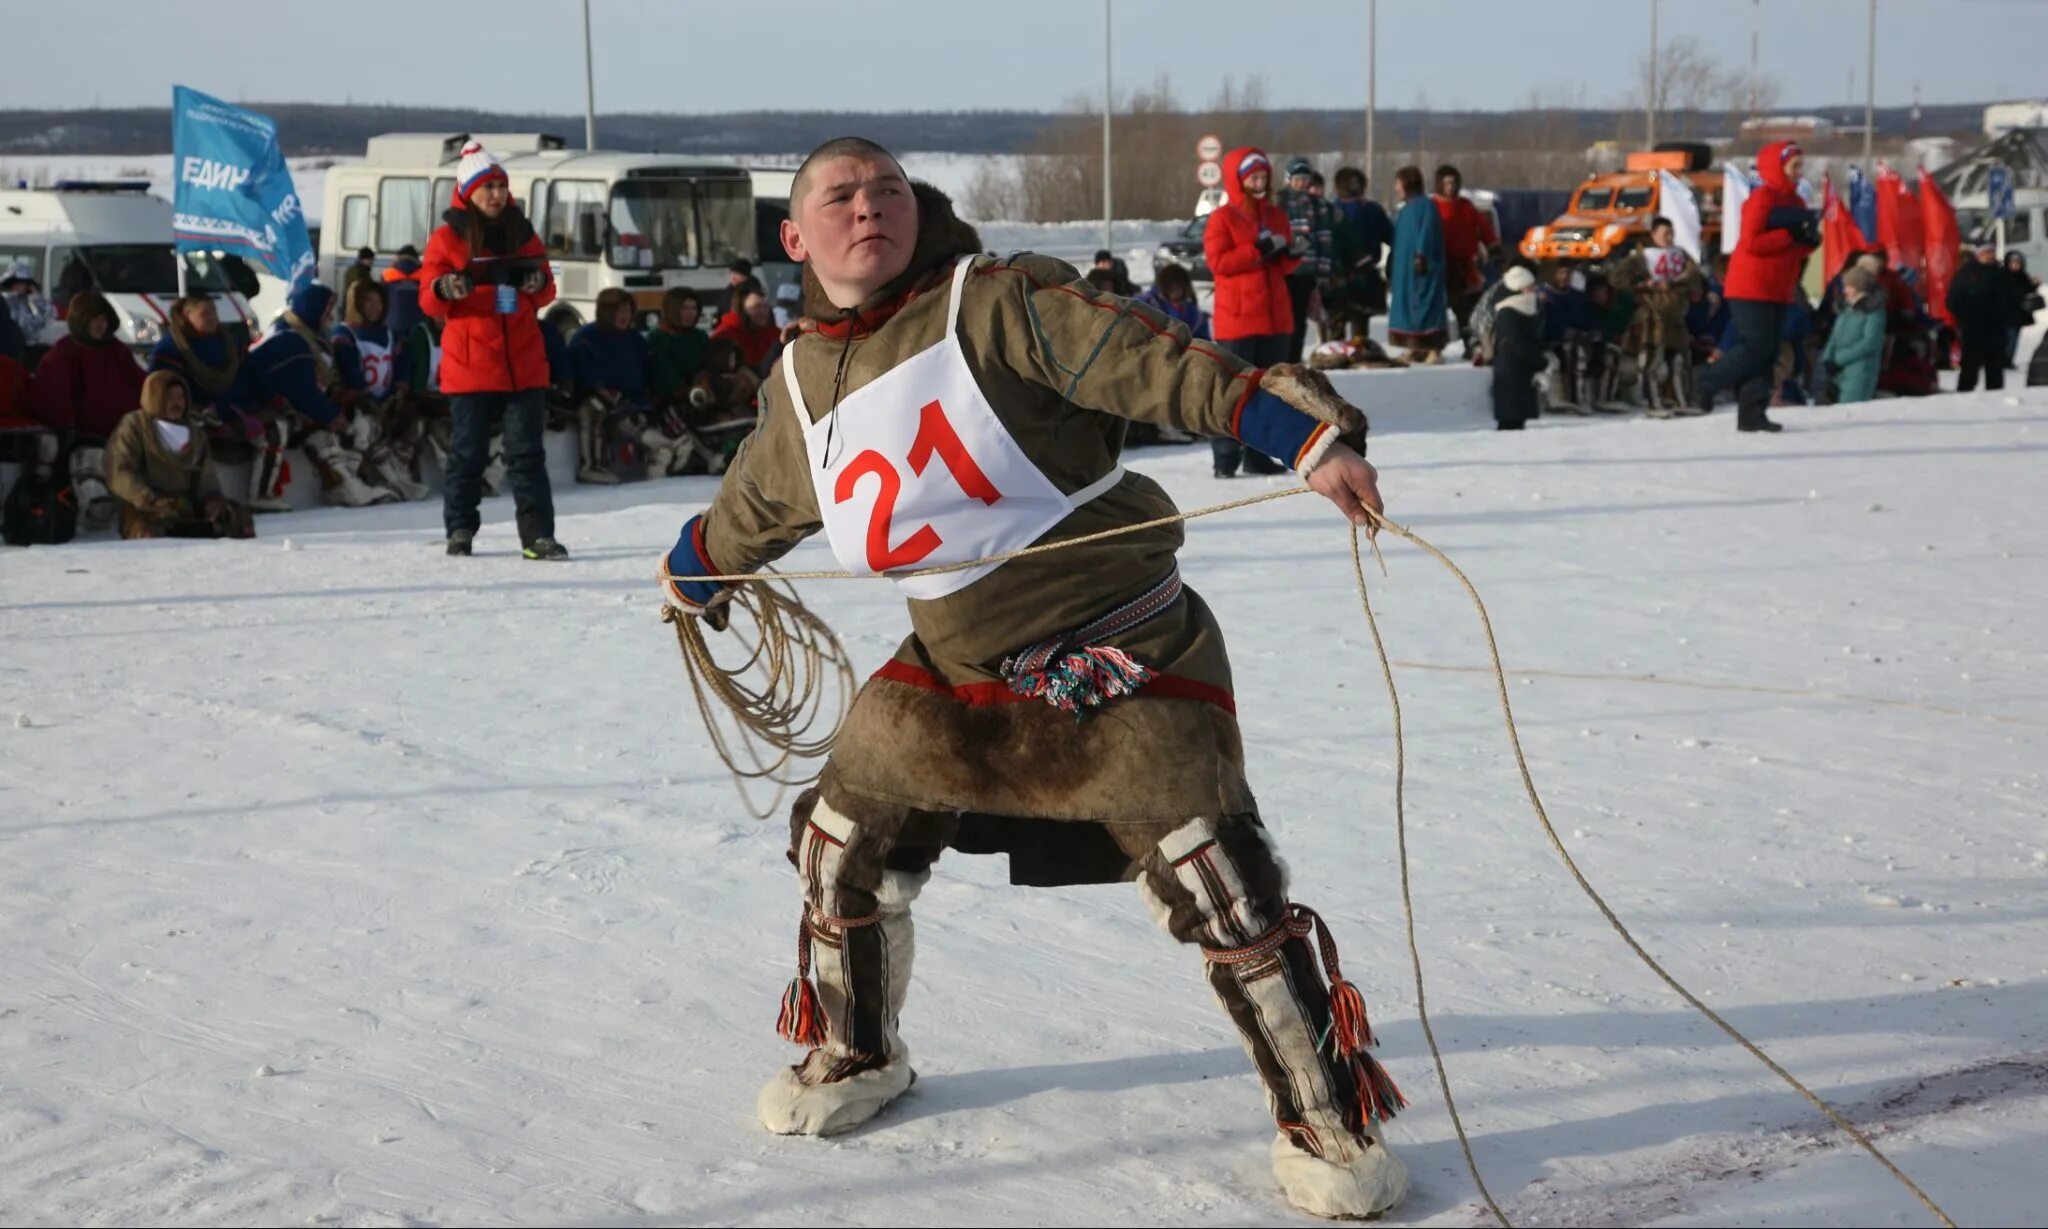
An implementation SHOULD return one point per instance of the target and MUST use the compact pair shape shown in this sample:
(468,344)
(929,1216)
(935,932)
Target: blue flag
(1863,203)
(234,192)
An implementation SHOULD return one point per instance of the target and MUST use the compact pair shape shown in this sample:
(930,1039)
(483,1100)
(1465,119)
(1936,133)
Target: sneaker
(1226,473)
(459,542)
(546,549)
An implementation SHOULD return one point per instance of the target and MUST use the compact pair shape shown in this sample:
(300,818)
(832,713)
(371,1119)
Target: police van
(114,237)
(642,223)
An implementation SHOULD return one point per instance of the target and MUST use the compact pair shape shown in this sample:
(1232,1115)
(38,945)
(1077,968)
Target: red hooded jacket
(1251,290)
(85,386)
(1767,262)
(483,351)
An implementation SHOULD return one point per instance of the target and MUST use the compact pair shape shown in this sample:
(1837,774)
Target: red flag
(1840,237)
(1898,222)
(1944,245)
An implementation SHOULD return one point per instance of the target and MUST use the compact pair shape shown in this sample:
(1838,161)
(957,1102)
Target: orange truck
(1610,214)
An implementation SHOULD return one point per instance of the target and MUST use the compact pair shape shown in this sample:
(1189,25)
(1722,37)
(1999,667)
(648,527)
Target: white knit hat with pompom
(477,165)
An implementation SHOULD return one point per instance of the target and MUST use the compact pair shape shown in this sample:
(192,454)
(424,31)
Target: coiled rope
(796,649)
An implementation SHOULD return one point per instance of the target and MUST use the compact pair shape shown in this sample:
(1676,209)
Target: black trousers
(1261,351)
(469,452)
(1299,290)
(1748,365)
(1983,352)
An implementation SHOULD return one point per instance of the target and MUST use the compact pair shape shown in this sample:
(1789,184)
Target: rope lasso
(784,694)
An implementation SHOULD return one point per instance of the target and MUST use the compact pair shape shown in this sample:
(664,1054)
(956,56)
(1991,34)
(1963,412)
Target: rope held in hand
(797,650)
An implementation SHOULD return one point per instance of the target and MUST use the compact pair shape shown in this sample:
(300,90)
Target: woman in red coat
(486,274)
(82,389)
(1246,245)
(1778,233)
(751,326)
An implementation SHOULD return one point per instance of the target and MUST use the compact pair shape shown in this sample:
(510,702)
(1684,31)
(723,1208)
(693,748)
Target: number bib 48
(1665,263)
(915,470)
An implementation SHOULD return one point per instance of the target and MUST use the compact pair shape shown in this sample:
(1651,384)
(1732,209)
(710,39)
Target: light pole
(1650,103)
(589,86)
(1870,92)
(1372,78)
(1108,103)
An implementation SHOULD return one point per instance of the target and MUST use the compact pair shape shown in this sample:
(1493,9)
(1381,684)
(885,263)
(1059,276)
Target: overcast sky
(731,55)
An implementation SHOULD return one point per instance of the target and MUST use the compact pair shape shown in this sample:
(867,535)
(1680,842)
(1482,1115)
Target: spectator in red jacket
(1778,233)
(1247,244)
(751,326)
(486,274)
(1468,239)
(82,389)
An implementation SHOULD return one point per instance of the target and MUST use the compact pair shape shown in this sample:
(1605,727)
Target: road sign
(1998,188)
(1209,148)
(1208,174)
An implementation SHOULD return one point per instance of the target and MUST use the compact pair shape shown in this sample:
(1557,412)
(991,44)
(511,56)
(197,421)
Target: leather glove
(533,283)
(452,287)
(1270,245)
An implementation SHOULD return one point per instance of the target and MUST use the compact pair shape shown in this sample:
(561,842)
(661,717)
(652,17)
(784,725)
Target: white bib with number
(380,364)
(915,471)
(1665,264)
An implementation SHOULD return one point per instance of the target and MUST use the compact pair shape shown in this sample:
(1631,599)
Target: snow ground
(342,883)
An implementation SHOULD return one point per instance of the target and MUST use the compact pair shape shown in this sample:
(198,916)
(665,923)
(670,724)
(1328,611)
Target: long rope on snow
(797,651)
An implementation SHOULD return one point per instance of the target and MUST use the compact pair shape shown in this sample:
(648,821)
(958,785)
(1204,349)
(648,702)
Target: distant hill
(328,129)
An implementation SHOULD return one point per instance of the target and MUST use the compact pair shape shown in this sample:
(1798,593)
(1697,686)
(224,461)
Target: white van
(114,238)
(640,222)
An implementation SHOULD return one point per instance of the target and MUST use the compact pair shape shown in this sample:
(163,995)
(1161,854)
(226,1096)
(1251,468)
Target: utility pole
(1650,103)
(1372,78)
(589,86)
(1108,104)
(1756,25)
(1870,95)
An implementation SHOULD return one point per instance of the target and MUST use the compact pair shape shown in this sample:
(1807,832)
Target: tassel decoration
(802,1019)
(1084,679)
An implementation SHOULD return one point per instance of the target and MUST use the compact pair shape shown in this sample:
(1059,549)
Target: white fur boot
(1365,1185)
(789,1106)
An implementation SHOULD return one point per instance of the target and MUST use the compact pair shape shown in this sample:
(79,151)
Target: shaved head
(838,147)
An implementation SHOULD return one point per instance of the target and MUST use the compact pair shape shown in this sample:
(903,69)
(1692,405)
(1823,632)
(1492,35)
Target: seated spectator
(1613,312)
(1855,348)
(1173,296)
(722,408)
(1119,272)
(1661,276)
(421,361)
(751,326)
(160,467)
(1794,340)
(383,428)
(30,311)
(23,437)
(82,388)
(676,352)
(1515,349)
(1706,318)
(611,363)
(1101,279)
(1572,335)
(225,402)
(294,364)
(12,344)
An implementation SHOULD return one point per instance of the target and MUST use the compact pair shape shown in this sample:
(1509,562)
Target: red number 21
(935,437)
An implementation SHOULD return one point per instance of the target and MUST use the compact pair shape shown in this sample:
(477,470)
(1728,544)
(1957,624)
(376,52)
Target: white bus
(641,222)
(113,237)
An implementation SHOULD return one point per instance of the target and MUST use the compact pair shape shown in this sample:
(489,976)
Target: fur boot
(96,506)
(340,485)
(270,470)
(592,460)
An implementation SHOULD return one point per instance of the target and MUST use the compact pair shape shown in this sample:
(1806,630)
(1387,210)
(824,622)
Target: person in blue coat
(294,366)
(368,354)
(1572,334)
(222,381)
(1415,316)
(610,360)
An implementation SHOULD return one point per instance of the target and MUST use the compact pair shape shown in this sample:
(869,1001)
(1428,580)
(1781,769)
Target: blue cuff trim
(689,559)
(1274,427)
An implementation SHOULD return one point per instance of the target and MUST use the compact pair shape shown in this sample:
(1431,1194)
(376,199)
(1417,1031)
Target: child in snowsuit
(941,406)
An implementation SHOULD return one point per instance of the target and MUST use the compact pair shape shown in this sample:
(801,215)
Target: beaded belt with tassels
(1075,673)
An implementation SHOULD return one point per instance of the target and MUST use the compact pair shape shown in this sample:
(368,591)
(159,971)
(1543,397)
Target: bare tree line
(1058,177)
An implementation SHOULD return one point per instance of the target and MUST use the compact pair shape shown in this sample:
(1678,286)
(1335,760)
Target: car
(1609,215)
(1185,250)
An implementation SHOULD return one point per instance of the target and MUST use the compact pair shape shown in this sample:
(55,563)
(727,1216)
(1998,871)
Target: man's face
(1986,256)
(856,223)
(174,403)
(1561,277)
(1661,236)
(622,316)
(203,318)
(686,315)
(372,307)
(756,308)
(1299,183)
(1447,185)
(99,326)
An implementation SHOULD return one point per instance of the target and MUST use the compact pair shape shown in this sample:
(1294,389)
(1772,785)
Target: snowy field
(343,883)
